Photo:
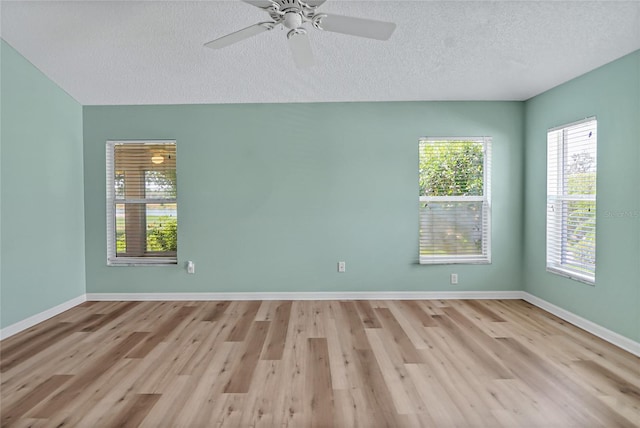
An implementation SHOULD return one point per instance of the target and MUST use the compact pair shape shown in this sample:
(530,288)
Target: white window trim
(553,266)
(485,257)
(112,260)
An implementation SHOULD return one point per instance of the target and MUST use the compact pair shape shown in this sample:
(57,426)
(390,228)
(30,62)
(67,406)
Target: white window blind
(571,200)
(455,203)
(142,207)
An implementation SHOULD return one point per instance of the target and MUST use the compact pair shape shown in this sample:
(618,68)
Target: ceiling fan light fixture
(292,20)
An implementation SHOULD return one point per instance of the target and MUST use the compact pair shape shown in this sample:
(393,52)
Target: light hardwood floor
(445,363)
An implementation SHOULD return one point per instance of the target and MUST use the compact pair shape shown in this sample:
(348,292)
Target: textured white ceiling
(151,52)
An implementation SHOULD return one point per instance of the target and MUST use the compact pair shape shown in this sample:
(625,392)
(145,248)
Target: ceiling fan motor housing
(291,13)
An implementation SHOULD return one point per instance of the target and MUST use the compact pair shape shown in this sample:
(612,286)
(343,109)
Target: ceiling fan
(292,14)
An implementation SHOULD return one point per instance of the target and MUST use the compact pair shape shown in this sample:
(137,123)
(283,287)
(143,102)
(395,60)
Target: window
(142,212)
(571,200)
(455,202)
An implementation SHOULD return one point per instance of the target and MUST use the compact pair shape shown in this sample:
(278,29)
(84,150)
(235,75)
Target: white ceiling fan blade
(301,49)
(265,4)
(240,35)
(313,3)
(360,27)
(262,4)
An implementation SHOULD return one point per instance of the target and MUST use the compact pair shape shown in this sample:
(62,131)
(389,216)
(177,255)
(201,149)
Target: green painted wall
(42,211)
(271,197)
(612,94)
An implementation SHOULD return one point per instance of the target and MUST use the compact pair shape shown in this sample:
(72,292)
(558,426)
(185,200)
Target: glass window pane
(579,241)
(451,168)
(160,184)
(162,228)
(121,241)
(119,184)
(451,228)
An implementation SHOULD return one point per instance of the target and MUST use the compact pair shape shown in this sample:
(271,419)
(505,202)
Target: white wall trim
(40,317)
(319,295)
(593,328)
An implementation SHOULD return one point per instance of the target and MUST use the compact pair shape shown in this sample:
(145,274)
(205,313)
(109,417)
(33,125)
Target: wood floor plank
(412,327)
(403,392)
(20,354)
(295,361)
(42,335)
(351,409)
(217,312)
(437,363)
(355,325)
(416,311)
(161,333)
(567,391)
(231,414)
(460,377)
(368,316)
(31,423)
(430,307)
(399,336)
(213,338)
(609,381)
(10,414)
(514,398)
(170,403)
(100,403)
(136,411)
(481,346)
(243,373)
(206,387)
(320,391)
(315,314)
(442,409)
(376,390)
(109,317)
(340,375)
(267,310)
(484,311)
(596,348)
(79,383)
(260,400)
(278,332)
(239,331)
(179,350)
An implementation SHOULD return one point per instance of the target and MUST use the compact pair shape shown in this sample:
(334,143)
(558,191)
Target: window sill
(142,261)
(455,261)
(585,279)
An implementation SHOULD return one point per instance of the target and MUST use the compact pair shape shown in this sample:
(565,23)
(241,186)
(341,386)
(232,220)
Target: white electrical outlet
(454,278)
(191,267)
(342,267)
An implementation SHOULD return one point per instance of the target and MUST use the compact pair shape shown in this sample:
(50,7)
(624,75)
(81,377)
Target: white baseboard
(593,328)
(318,295)
(40,317)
